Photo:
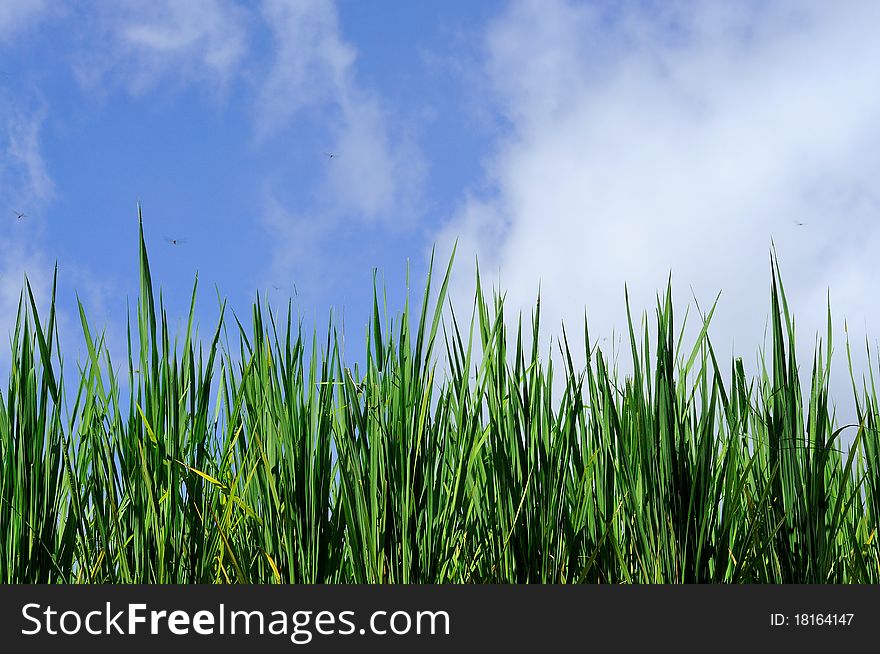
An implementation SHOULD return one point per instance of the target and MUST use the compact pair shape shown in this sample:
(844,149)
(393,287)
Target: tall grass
(267,458)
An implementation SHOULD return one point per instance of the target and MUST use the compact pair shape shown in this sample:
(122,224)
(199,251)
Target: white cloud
(372,175)
(23,261)
(312,63)
(644,140)
(298,236)
(24,179)
(18,15)
(19,259)
(142,44)
(25,187)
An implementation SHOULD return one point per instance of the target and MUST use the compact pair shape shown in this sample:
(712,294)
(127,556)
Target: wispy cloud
(374,177)
(24,179)
(17,260)
(19,15)
(312,63)
(141,44)
(25,187)
(300,237)
(683,137)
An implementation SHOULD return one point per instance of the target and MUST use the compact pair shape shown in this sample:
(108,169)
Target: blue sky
(575,145)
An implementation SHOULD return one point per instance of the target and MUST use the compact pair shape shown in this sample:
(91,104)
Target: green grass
(267,458)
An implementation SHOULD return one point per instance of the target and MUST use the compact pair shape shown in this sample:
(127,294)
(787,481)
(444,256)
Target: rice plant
(263,456)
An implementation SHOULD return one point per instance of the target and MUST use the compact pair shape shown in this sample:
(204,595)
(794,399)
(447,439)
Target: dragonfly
(19,215)
(281,288)
(175,241)
(329,155)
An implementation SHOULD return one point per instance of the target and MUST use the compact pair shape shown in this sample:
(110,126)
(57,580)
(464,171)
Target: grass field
(265,457)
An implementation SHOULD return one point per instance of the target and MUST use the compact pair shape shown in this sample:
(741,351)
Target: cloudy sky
(571,146)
